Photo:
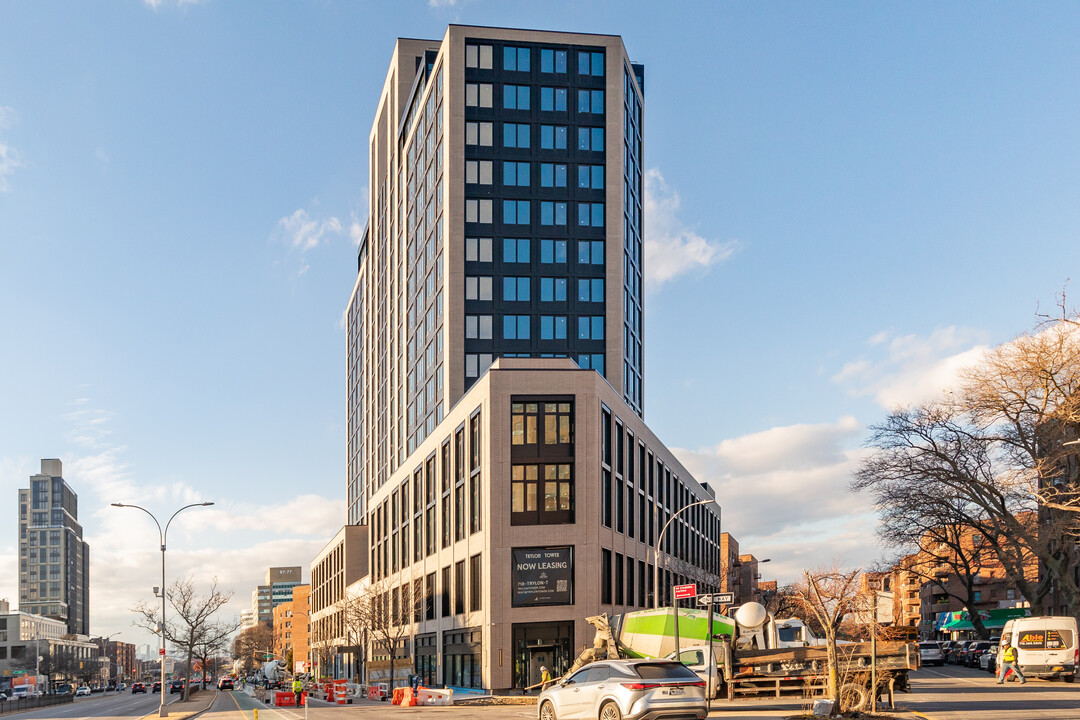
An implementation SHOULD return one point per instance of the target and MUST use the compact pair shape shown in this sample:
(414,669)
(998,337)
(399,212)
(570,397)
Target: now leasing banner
(543,576)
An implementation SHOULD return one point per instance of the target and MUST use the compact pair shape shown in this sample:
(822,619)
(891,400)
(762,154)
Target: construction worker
(545,677)
(298,690)
(1008,662)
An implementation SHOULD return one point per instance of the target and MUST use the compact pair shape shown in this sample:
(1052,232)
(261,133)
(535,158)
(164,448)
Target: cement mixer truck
(744,656)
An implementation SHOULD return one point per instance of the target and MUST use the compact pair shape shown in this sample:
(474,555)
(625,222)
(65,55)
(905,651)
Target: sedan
(83,691)
(138,688)
(988,660)
(225,684)
(956,657)
(156,687)
(930,653)
(626,690)
(176,686)
(974,652)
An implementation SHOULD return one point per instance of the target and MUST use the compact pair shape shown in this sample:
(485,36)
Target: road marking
(952,677)
(922,715)
(261,707)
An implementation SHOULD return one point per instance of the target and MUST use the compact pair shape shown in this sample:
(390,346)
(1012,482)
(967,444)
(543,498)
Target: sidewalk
(199,703)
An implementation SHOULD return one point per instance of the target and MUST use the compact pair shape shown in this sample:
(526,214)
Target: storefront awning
(996,618)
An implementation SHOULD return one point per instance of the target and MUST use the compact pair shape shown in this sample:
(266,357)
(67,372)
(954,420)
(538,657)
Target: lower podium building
(535,503)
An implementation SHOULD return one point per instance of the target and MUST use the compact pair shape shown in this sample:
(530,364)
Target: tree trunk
(190,655)
(833,676)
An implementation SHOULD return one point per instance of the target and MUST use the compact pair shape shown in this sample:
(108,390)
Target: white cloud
(356,232)
(236,539)
(304,232)
(802,471)
(672,248)
(908,369)
(783,494)
(9,156)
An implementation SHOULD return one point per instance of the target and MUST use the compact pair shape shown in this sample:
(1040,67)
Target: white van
(1046,647)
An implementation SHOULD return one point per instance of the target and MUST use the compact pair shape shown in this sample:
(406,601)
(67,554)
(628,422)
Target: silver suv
(930,653)
(626,690)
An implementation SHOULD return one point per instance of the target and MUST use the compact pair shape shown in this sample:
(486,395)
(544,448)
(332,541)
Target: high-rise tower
(498,456)
(505,221)
(54,560)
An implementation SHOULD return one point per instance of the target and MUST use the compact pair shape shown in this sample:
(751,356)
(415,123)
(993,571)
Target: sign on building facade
(543,576)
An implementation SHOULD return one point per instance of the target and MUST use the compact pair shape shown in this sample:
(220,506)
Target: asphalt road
(948,693)
(958,693)
(121,706)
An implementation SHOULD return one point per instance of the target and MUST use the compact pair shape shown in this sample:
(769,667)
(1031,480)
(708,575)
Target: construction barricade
(341,691)
(284,699)
(430,696)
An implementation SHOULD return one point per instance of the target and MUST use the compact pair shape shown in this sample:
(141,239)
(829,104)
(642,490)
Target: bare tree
(322,637)
(250,641)
(784,602)
(386,613)
(947,531)
(828,595)
(354,620)
(191,621)
(997,452)
(215,640)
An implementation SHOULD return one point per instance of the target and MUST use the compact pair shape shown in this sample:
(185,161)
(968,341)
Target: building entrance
(539,645)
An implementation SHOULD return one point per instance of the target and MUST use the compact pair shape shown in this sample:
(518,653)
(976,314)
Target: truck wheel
(1068,678)
(610,711)
(547,711)
(852,697)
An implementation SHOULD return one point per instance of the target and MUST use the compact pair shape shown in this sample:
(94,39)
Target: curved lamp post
(162,535)
(656,553)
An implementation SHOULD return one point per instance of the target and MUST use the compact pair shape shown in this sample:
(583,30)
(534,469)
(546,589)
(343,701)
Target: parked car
(988,660)
(138,688)
(156,687)
(83,691)
(614,689)
(930,653)
(956,657)
(974,652)
(225,684)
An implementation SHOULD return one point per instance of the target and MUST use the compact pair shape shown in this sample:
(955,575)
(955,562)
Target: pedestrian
(1008,662)
(545,678)
(298,690)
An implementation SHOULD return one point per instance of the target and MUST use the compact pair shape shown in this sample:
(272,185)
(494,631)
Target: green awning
(996,618)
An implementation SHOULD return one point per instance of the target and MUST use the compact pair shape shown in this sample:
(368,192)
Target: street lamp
(162,535)
(656,556)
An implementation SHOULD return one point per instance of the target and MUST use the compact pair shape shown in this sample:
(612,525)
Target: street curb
(183,714)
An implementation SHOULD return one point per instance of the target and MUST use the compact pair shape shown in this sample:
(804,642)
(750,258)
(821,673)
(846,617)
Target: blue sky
(846,202)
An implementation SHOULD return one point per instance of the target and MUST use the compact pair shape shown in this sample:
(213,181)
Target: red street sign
(161,651)
(685,591)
